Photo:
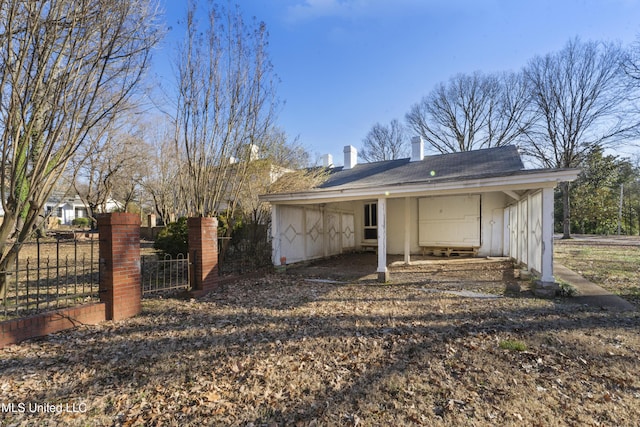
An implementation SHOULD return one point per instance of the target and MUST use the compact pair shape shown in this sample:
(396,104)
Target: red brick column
(120,288)
(203,254)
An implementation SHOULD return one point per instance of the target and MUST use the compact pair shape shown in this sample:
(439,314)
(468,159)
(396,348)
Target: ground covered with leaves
(286,350)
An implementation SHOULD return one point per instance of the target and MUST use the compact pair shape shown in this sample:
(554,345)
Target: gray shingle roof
(465,165)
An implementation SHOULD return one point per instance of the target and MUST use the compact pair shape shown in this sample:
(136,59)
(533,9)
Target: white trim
(515,196)
(275,234)
(382,235)
(407,230)
(547,236)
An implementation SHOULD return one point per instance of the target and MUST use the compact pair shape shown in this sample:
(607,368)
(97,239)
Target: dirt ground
(453,271)
(457,343)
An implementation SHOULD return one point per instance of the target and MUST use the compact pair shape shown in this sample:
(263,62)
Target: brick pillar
(203,253)
(120,287)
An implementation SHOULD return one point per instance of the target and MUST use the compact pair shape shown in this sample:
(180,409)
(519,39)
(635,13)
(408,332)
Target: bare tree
(68,67)
(225,106)
(385,142)
(161,181)
(632,61)
(471,112)
(282,167)
(110,168)
(582,98)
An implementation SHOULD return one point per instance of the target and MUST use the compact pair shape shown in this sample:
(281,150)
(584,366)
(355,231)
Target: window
(81,212)
(56,212)
(370,221)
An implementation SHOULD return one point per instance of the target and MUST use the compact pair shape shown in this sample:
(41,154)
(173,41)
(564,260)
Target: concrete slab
(590,293)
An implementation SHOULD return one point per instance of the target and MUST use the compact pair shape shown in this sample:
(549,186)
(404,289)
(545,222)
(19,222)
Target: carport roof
(490,169)
(478,163)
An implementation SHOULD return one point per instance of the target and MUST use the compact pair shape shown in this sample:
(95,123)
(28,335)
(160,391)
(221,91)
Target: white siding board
(535,232)
(449,221)
(313,233)
(523,231)
(348,234)
(291,233)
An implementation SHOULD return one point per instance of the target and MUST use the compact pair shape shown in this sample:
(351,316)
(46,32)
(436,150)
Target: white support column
(324,235)
(547,236)
(305,235)
(275,235)
(407,231)
(383,272)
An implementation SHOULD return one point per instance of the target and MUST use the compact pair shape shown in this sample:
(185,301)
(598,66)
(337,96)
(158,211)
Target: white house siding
(313,231)
(535,232)
(396,225)
(492,230)
(451,221)
(525,228)
(492,227)
(513,228)
(290,236)
(348,231)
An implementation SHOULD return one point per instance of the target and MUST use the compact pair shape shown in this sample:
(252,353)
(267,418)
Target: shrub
(173,239)
(566,289)
(81,222)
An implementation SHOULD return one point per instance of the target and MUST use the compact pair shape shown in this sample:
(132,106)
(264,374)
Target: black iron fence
(50,274)
(247,250)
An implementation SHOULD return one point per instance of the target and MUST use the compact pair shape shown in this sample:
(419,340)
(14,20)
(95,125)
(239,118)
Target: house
(62,208)
(482,202)
(65,208)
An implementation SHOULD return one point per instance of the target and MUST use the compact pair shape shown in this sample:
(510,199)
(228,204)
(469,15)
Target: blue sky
(344,65)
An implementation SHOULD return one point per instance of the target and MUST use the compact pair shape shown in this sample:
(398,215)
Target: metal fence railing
(165,274)
(48,275)
(237,255)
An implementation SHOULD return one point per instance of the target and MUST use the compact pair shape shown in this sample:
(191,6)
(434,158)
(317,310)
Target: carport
(482,202)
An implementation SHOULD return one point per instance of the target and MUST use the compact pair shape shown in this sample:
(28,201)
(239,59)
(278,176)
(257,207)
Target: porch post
(407,231)
(325,234)
(383,273)
(275,235)
(547,236)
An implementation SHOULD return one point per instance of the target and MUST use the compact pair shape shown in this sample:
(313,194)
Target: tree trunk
(566,211)
(5,265)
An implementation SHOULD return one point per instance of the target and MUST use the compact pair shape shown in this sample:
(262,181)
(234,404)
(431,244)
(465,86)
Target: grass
(614,266)
(514,345)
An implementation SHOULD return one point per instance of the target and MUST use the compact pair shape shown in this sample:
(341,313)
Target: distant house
(481,202)
(66,208)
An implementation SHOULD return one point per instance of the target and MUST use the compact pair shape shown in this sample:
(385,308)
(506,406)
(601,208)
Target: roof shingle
(478,163)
